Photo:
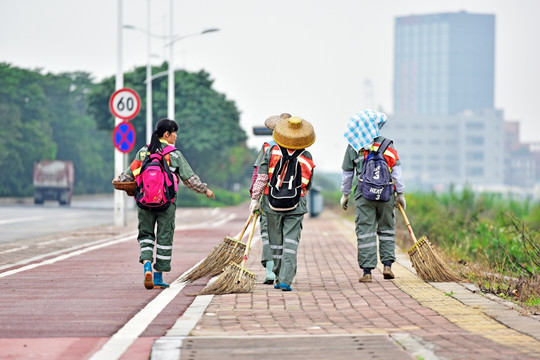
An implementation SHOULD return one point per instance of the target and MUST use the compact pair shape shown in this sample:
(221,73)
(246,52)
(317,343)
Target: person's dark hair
(162,127)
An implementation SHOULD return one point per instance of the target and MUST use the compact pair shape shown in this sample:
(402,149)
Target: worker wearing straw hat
(373,218)
(267,260)
(292,136)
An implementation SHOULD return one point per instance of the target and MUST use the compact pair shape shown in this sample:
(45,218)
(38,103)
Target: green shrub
(476,227)
(495,239)
(189,198)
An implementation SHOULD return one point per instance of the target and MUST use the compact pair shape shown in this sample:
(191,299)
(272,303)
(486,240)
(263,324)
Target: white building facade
(442,151)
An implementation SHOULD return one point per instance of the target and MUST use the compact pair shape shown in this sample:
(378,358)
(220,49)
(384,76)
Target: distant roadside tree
(43,117)
(210,135)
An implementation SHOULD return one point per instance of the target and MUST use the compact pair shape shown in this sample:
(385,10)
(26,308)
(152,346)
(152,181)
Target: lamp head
(209,30)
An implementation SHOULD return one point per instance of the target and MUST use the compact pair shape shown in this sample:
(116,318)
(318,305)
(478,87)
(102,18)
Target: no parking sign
(124,137)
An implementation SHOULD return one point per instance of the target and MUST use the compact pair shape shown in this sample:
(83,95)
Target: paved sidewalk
(329,314)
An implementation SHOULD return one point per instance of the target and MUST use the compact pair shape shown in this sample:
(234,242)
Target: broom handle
(407,222)
(248,244)
(245,227)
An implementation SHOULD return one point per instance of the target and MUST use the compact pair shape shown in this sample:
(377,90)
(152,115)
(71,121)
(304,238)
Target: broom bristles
(428,265)
(228,250)
(234,279)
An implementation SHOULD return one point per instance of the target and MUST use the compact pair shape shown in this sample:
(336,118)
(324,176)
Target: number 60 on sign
(125,104)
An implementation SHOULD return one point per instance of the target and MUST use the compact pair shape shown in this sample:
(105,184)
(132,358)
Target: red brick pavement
(327,299)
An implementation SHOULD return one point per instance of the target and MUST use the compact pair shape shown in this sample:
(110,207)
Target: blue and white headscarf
(363,127)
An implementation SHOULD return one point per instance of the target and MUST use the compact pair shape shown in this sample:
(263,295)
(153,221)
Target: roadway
(76,286)
(21,219)
(78,294)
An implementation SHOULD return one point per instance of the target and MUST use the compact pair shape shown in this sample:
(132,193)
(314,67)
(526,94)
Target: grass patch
(189,198)
(488,239)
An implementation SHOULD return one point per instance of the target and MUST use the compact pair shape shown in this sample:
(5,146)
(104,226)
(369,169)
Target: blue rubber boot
(285,287)
(276,285)
(148,283)
(158,281)
(270,276)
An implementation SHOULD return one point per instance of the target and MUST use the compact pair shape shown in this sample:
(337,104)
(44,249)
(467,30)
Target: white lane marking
(13,250)
(169,347)
(212,223)
(186,323)
(74,248)
(209,224)
(55,241)
(66,256)
(122,340)
(15,220)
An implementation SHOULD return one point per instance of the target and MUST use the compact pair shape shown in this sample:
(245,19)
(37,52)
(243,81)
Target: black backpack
(375,180)
(286,182)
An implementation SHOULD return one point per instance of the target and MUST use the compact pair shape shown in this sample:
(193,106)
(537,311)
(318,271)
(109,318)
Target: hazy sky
(311,58)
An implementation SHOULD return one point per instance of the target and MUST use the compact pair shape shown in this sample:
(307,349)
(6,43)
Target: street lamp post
(120,159)
(149,122)
(170,97)
(170,40)
(170,86)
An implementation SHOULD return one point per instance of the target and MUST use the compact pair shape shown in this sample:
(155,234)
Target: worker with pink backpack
(157,169)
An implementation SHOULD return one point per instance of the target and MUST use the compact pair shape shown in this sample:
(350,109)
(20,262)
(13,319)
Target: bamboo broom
(428,265)
(235,278)
(228,250)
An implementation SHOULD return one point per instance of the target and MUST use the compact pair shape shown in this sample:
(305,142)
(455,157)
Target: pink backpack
(156,185)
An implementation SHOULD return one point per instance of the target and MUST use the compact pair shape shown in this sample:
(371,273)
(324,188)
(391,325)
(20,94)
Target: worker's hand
(344,201)
(400,199)
(254,206)
(210,194)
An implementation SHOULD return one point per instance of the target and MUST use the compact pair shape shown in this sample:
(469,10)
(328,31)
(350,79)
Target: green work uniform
(373,218)
(162,238)
(266,250)
(284,230)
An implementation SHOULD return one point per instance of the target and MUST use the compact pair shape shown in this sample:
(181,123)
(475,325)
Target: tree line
(67,117)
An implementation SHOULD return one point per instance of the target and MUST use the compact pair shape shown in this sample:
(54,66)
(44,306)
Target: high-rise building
(444,63)
(444,125)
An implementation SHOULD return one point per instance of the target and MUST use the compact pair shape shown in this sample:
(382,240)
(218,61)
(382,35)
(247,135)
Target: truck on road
(53,180)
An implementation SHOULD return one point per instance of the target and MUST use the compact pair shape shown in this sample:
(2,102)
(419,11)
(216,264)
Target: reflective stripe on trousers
(164,234)
(375,219)
(284,232)
(266,250)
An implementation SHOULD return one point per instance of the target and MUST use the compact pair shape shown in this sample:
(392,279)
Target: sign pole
(125,104)
(120,159)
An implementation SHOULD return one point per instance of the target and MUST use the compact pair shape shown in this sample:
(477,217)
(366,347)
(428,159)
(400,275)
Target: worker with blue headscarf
(372,218)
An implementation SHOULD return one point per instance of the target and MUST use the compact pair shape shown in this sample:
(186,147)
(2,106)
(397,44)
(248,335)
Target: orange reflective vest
(266,145)
(306,165)
(390,155)
(265,148)
(136,164)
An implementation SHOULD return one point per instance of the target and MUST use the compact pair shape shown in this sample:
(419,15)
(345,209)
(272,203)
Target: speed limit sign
(125,104)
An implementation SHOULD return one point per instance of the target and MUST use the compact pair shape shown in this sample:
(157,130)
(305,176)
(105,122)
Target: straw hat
(272,121)
(294,133)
